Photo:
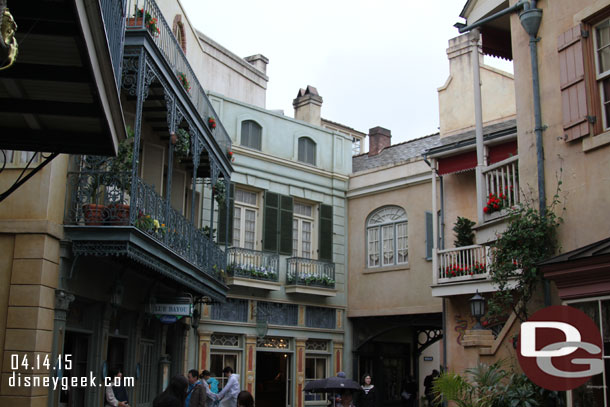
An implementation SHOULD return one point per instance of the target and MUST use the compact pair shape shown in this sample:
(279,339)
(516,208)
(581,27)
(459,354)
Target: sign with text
(172,309)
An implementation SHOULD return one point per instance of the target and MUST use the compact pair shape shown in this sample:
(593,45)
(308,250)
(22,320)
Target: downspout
(530,19)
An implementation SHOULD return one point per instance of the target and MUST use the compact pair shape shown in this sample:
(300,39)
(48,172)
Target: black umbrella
(331,385)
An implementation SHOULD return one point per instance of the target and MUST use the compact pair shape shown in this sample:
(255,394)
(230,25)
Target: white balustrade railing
(501,185)
(462,263)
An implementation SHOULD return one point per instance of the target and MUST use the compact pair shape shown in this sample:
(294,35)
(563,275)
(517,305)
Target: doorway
(76,345)
(273,381)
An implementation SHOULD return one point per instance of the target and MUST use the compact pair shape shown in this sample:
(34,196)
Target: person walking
(368,393)
(428,383)
(174,395)
(206,378)
(228,394)
(195,395)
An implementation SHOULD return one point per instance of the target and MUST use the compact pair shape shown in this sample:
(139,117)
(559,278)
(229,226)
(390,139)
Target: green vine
(530,237)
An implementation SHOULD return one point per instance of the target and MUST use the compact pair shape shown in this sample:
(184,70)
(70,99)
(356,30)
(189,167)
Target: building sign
(172,309)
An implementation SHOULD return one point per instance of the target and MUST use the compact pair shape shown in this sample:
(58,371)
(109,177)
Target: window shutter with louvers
(429,235)
(326,233)
(222,216)
(572,83)
(271,221)
(286,204)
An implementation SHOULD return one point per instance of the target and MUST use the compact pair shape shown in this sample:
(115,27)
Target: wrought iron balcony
(100,198)
(308,272)
(145,16)
(252,264)
(113,13)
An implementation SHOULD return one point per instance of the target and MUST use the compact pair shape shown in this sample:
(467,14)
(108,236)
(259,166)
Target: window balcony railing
(501,186)
(308,272)
(145,15)
(113,13)
(252,264)
(101,198)
(462,264)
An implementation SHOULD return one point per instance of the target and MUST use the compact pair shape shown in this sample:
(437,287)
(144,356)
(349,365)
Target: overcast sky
(375,63)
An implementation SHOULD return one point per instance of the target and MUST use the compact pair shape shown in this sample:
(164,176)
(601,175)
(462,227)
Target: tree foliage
(463,232)
(531,237)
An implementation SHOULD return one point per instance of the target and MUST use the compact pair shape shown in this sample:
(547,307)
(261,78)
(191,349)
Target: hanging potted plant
(211,123)
(182,145)
(219,192)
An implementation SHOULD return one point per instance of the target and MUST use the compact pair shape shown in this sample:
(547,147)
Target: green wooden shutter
(429,235)
(286,208)
(222,216)
(325,233)
(271,215)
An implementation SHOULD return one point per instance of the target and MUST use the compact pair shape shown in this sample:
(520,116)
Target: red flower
(486,209)
(212,123)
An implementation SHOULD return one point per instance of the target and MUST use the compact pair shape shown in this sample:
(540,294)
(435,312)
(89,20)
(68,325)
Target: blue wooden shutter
(429,235)
(325,233)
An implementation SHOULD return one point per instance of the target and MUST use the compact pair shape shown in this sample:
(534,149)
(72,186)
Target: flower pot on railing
(119,214)
(94,214)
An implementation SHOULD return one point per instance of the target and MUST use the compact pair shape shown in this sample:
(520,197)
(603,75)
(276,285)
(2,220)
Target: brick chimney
(379,138)
(308,106)
(259,61)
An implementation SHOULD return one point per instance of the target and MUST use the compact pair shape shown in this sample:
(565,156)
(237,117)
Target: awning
(468,160)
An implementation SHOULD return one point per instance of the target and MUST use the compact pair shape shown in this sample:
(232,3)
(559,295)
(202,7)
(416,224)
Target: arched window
(386,237)
(251,134)
(178,30)
(307,150)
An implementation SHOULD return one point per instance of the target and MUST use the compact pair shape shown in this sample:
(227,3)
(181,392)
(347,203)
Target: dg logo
(560,348)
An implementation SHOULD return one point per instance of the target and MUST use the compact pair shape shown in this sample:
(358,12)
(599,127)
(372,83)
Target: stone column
(299,396)
(250,363)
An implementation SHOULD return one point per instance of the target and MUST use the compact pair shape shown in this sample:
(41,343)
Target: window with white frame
(602,64)
(307,150)
(386,233)
(221,359)
(251,134)
(597,391)
(245,213)
(316,365)
(302,230)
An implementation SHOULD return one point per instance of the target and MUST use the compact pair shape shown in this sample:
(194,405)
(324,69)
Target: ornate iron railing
(302,271)
(501,185)
(145,15)
(113,13)
(252,264)
(462,263)
(98,197)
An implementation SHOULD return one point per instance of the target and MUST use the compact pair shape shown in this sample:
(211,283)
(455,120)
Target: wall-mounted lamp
(477,309)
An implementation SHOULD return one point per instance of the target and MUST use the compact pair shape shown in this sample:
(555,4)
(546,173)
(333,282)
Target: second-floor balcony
(308,276)
(253,268)
(111,213)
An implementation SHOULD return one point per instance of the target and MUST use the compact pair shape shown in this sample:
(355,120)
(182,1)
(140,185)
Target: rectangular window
(302,230)
(220,360)
(402,249)
(320,317)
(316,367)
(387,233)
(602,63)
(245,213)
(373,240)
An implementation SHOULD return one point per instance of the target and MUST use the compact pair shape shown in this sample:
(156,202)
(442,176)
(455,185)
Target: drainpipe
(530,19)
